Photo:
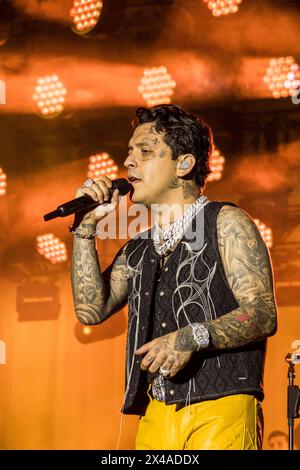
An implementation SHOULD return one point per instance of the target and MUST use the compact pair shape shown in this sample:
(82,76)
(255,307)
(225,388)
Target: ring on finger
(88,183)
(164,372)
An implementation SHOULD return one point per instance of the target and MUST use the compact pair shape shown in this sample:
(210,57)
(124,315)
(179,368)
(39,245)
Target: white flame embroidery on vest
(199,292)
(134,302)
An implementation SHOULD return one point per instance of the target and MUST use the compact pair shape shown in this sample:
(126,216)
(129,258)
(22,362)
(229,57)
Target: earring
(184,165)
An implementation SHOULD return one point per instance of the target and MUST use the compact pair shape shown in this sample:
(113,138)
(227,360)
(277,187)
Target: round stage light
(3,182)
(51,248)
(216,163)
(265,232)
(102,164)
(49,96)
(157,86)
(282,77)
(223,7)
(84,15)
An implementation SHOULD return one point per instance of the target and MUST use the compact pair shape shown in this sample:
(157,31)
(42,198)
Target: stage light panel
(266,233)
(223,7)
(53,249)
(49,96)
(157,86)
(102,164)
(3,182)
(282,77)
(216,162)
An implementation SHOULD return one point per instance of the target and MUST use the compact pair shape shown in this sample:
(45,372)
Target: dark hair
(277,434)
(183,132)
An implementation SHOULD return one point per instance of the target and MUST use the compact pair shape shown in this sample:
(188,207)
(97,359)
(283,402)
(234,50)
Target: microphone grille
(122,185)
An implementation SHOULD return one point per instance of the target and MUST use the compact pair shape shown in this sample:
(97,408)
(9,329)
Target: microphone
(87,202)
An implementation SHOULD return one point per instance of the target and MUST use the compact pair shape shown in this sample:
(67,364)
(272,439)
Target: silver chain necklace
(175,233)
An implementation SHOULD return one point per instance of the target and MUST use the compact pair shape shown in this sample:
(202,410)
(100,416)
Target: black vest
(192,288)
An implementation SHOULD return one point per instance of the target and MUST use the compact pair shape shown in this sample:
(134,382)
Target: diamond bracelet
(84,235)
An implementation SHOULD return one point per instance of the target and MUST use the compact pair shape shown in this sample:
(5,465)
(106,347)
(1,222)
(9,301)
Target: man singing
(198,313)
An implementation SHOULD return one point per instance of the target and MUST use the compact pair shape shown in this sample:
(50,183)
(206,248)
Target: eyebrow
(142,143)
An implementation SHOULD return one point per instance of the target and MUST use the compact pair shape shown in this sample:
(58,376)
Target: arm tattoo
(184,340)
(115,277)
(87,283)
(96,296)
(248,271)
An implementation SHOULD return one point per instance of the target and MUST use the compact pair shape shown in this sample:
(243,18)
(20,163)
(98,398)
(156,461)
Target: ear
(185,164)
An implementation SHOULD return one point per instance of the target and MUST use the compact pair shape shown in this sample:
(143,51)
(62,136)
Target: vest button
(172,392)
(146,293)
(166,269)
(152,260)
(161,293)
(164,324)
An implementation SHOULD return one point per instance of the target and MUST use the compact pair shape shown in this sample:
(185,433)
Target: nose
(130,162)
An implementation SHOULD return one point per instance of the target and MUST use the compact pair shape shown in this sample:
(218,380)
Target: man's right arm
(97,296)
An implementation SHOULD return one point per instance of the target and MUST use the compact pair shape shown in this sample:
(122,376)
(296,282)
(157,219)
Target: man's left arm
(248,271)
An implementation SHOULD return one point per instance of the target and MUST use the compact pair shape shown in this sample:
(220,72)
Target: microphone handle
(84,202)
(87,202)
(77,205)
(71,207)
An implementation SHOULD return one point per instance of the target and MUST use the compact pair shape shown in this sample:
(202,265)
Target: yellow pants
(229,423)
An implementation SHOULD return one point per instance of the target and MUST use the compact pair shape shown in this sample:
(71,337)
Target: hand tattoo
(172,351)
(184,340)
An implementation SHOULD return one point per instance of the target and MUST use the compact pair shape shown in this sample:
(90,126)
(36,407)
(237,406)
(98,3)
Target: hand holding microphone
(100,191)
(94,200)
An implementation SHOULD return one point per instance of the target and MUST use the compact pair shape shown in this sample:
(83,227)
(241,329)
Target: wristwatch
(201,335)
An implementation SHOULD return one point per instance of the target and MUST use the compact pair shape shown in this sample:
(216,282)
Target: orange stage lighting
(216,163)
(102,164)
(3,183)
(52,248)
(84,15)
(282,77)
(157,86)
(223,7)
(265,232)
(87,330)
(49,96)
